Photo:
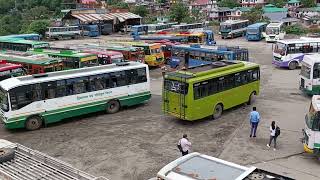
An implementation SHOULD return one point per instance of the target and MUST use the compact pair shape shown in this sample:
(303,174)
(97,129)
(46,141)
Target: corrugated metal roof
(105,17)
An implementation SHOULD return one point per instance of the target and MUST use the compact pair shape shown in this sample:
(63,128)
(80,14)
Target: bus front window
(155,51)
(305,71)
(272,30)
(313,119)
(225,28)
(280,48)
(4,100)
(176,86)
(252,31)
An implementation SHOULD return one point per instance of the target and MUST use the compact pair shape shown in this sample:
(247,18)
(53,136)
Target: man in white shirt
(185,145)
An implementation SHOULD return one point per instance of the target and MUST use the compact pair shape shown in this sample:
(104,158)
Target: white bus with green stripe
(311,132)
(310,74)
(35,100)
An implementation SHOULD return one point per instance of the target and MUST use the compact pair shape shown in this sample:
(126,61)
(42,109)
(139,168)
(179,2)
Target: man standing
(185,145)
(254,121)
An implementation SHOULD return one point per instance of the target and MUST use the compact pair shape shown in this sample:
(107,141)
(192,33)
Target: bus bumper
(306,149)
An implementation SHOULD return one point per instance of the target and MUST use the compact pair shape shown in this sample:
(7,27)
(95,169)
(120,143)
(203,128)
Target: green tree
(6,6)
(295,29)
(141,11)
(278,3)
(10,24)
(255,15)
(308,3)
(38,26)
(178,11)
(121,5)
(228,3)
(36,13)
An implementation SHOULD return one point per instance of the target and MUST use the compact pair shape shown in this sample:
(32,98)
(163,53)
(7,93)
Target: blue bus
(33,37)
(90,30)
(255,31)
(139,29)
(206,53)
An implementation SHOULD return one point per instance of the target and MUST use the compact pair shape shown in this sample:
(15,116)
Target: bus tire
(33,123)
(252,98)
(113,106)
(293,65)
(6,154)
(217,112)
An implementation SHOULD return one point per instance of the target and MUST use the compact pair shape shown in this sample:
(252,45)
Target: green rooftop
(270,8)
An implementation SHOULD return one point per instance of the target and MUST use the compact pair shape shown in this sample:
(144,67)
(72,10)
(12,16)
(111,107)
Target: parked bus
(71,59)
(186,27)
(311,131)
(203,37)
(206,53)
(255,32)
(233,28)
(106,29)
(106,57)
(59,33)
(8,70)
(33,101)
(207,90)
(154,28)
(275,31)
(33,64)
(310,74)
(129,53)
(290,52)
(90,30)
(196,166)
(18,44)
(139,29)
(32,37)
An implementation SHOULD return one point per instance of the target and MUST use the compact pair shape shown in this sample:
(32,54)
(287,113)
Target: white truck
(196,166)
(18,162)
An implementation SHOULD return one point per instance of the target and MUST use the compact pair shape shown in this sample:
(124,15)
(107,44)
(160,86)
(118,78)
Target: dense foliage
(255,15)
(228,3)
(295,29)
(27,16)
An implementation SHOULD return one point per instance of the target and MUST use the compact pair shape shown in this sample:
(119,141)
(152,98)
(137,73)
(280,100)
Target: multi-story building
(252,3)
(223,13)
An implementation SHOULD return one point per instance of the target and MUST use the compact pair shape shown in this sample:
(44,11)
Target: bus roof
(301,40)
(62,53)
(213,49)
(311,59)
(8,66)
(257,25)
(215,68)
(73,73)
(179,25)
(230,22)
(29,59)
(200,166)
(275,24)
(34,44)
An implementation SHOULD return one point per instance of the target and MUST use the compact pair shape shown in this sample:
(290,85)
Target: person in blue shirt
(254,121)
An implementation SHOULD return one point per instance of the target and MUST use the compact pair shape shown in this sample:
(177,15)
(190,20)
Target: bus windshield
(253,31)
(272,30)
(4,100)
(155,50)
(305,71)
(225,28)
(176,86)
(280,48)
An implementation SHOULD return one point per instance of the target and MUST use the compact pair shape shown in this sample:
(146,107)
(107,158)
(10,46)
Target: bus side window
(118,79)
(49,89)
(142,75)
(21,96)
(316,71)
(61,88)
(131,76)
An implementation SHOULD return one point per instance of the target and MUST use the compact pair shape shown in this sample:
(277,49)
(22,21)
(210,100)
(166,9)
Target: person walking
(254,121)
(273,135)
(185,145)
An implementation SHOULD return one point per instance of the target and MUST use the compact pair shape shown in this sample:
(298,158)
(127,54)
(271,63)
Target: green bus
(207,90)
(71,59)
(19,44)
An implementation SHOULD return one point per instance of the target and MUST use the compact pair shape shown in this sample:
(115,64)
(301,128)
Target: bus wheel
(252,98)
(33,123)
(293,65)
(217,111)
(113,106)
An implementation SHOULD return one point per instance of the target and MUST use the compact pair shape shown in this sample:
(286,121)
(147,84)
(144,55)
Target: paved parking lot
(136,142)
